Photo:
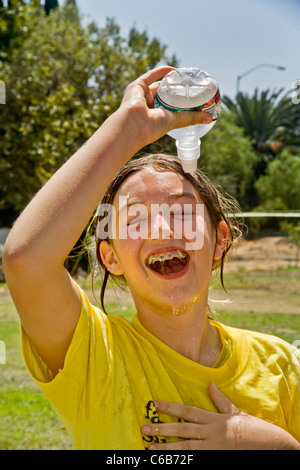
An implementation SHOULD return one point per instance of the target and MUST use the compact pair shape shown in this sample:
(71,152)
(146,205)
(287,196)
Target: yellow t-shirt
(115,369)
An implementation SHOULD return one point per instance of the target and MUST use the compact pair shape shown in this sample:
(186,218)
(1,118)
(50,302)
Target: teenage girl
(173,378)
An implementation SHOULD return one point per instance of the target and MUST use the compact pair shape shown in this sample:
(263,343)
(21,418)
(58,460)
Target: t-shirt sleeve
(294,382)
(85,368)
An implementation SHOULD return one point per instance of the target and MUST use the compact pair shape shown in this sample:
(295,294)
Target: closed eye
(136,221)
(183,214)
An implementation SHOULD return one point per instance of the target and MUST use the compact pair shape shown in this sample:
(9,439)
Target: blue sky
(224,37)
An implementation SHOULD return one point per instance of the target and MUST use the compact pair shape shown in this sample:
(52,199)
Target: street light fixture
(278,67)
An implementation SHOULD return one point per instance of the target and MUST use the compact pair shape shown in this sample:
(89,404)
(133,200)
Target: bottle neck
(188,152)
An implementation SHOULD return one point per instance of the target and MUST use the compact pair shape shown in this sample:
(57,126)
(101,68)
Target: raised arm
(44,294)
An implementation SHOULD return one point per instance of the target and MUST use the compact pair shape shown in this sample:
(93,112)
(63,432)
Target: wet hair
(220,208)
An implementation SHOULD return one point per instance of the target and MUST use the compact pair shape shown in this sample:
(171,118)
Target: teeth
(166,256)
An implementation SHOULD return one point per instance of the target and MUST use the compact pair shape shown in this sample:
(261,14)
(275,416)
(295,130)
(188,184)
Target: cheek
(200,236)
(127,251)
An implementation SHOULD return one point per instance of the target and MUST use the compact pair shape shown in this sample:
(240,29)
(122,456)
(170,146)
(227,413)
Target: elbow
(13,258)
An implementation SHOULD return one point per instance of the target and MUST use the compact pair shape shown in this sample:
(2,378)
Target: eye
(134,222)
(183,215)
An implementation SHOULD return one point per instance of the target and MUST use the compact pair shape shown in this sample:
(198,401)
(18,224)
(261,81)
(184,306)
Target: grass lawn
(257,300)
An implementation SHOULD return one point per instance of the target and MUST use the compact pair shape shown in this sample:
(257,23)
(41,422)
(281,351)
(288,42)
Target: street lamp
(278,67)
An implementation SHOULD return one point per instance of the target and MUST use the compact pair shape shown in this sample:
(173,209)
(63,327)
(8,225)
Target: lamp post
(278,67)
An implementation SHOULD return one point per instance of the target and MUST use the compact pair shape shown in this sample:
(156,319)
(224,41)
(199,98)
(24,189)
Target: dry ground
(268,271)
(265,254)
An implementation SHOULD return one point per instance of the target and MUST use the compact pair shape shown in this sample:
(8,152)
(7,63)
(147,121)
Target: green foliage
(280,186)
(15,25)
(61,84)
(294,234)
(228,158)
(271,122)
(278,191)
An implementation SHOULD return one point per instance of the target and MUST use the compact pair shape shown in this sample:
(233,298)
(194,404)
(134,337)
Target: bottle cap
(189,166)
(188,153)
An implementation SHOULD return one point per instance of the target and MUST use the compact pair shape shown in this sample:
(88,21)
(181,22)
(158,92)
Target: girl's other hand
(230,429)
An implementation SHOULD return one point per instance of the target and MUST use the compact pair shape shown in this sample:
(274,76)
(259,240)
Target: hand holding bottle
(147,123)
(187,89)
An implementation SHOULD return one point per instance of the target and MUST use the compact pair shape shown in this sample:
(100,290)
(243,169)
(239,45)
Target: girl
(172,378)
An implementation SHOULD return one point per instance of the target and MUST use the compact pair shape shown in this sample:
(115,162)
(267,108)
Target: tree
(228,158)
(14,25)
(61,85)
(294,234)
(279,188)
(271,122)
(279,191)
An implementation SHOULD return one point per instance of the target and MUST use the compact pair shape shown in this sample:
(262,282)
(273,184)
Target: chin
(178,304)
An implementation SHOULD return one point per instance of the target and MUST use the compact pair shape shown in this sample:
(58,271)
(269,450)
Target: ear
(110,259)
(222,237)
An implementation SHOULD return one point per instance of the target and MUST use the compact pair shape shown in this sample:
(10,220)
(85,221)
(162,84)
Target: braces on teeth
(164,257)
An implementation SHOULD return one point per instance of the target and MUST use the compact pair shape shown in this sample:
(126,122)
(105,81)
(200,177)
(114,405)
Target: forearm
(51,224)
(261,435)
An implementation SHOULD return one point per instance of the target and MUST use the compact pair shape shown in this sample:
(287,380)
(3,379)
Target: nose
(161,226)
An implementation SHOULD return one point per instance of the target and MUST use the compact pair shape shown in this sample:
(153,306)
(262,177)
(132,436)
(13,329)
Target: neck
(185,329)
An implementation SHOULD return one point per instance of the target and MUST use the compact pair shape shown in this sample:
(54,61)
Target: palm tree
(271,122)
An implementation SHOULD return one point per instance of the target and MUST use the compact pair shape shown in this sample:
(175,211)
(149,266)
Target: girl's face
(165,244)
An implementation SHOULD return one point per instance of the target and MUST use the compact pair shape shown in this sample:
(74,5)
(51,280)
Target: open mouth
(169,262)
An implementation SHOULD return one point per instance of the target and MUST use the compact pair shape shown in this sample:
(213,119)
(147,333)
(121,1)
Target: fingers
(154,87)
(155,74)
(153,123)
(188,413)
(179,430)
(223,404)
(190,118)
(147,81)
(146,85)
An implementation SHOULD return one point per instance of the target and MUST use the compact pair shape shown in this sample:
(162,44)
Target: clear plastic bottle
(186,89)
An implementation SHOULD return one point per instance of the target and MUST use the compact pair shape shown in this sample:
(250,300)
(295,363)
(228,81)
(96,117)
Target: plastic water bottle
(189,89)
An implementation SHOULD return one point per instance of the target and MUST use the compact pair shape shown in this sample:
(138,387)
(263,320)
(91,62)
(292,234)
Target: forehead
(151,184)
